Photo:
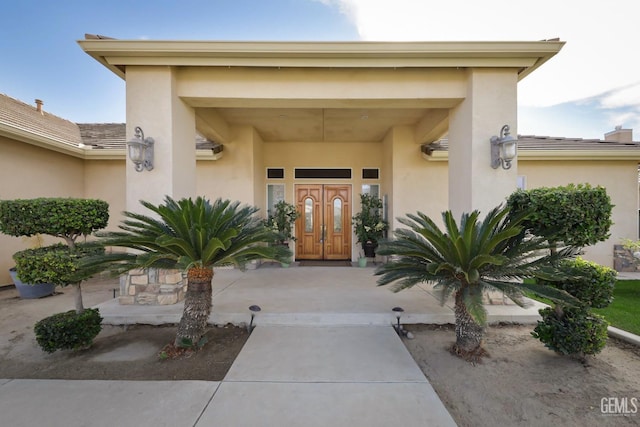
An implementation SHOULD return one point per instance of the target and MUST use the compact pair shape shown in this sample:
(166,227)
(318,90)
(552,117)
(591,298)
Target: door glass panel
(337,215)
(308,215)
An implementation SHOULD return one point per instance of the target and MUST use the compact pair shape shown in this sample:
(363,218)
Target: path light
(253,309)
(398,312)
(503,149)
(141,151)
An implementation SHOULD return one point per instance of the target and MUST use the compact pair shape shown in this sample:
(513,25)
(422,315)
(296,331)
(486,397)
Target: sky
(590,87)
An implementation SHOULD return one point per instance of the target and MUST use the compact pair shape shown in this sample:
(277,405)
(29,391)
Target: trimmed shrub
(578,215)
(67,219)
(68,330)
(575,332)
(588,281)
(57,217)
(55,264)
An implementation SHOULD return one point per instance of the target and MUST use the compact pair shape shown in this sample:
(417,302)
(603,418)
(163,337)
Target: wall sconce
(503,149)
(141,151)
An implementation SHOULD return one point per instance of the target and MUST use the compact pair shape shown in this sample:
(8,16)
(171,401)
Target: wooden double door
(323,231)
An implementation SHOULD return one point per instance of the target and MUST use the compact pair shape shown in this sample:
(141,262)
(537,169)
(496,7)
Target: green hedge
(578,215)
(55,264)
(53,216)
(68,330)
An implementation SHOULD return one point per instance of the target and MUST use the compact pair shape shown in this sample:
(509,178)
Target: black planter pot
(369,249)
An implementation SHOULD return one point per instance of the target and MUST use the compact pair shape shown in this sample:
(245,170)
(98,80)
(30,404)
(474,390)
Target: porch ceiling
(321,124)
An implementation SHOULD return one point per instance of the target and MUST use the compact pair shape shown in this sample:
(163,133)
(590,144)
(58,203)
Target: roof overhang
(116,55)
(83,152)
(559,155)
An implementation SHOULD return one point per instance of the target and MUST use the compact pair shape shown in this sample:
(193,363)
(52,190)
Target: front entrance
(324,229)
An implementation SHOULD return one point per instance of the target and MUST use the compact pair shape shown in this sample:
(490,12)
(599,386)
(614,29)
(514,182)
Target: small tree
(65,218)
(465,259)
(578,215)
(194,236)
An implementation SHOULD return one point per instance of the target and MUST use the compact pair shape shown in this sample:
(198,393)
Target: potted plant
(282,221)
(28,290)
(368,224)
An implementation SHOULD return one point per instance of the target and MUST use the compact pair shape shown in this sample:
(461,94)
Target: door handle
(323,233)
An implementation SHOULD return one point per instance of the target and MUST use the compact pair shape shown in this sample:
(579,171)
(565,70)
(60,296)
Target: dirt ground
(525,384)
(521,384)
(130,353)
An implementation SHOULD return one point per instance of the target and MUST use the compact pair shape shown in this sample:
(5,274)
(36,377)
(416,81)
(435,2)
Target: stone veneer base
(152,287)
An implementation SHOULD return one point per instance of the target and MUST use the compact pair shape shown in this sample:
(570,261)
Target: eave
(75,151)
(558,155)
(116,55)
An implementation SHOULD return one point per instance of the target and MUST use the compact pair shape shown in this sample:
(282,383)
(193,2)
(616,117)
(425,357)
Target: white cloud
(622,97)
(602,37)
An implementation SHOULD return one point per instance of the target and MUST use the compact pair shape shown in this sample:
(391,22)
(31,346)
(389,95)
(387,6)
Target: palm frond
(475,254)
(190,232)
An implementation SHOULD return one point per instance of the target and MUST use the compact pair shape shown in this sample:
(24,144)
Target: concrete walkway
(323,354)
(313,296)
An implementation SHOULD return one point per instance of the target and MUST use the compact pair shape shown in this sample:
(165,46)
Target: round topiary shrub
(68,330)
(575,332)
(577,215)
(588,281)
(55,264)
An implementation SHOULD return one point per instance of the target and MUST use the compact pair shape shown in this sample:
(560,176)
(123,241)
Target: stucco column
(153,104)
(490,103)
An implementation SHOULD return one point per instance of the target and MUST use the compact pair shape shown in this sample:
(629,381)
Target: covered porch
(296,114)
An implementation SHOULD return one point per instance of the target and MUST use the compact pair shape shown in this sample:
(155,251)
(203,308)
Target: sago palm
(466,259)
(194,236)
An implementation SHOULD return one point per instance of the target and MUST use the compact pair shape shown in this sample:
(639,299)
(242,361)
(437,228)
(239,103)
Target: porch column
(153,104)
(490,103)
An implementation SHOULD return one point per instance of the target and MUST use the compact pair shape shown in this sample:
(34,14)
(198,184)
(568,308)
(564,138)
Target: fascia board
(41,141)
(117,54)
(600,155)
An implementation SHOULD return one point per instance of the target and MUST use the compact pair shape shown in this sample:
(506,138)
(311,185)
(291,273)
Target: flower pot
(362,262)
(28,291)
(369,249)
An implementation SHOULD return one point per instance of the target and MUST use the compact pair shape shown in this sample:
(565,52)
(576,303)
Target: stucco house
(314,124)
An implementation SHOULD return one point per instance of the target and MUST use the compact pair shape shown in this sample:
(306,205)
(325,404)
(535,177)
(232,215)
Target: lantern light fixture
(503,149)
(141,151)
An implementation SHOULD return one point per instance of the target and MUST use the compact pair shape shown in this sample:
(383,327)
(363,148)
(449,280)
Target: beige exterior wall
(410,182)
(153,105)
(106,180)
(619,178)
(27,171)
(232,176)
(490,103)
(418,185)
